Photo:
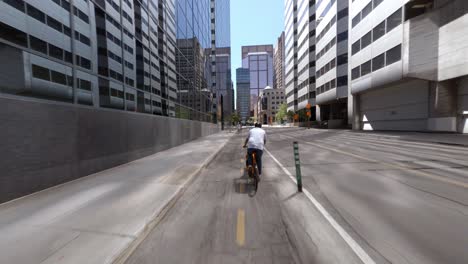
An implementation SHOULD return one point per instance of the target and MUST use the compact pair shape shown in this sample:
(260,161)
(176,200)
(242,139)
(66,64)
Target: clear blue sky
(254,22)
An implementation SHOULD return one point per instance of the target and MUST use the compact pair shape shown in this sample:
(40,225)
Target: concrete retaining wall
(46,144)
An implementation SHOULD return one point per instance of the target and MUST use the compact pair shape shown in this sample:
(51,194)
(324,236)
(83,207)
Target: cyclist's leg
(259,161)
(249,157)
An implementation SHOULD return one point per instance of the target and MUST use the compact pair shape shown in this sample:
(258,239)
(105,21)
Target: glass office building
(147,56)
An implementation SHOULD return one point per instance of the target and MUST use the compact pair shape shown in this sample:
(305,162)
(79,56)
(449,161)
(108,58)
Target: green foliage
(290,115)
(282,113)
(235,118)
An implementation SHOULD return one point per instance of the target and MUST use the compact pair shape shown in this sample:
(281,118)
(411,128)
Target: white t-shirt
(257,138)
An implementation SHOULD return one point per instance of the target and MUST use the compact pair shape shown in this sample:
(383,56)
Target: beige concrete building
(279,61)
(268,104)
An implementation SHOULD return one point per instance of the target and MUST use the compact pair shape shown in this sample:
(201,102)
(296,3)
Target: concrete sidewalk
(96,218)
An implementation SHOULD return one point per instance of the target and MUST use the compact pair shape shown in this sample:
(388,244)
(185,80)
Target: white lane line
(365,258)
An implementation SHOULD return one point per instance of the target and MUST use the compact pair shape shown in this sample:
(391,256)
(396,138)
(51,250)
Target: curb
(126,253)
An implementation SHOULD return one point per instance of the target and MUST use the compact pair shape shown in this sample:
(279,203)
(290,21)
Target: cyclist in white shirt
(256,142)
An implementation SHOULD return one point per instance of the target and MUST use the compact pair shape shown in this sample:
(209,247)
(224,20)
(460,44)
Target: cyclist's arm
(247,140)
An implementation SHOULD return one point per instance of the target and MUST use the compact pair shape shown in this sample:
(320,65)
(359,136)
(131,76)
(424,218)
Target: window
(356,73)
(342,59)
(18,4)
(394,20)
(55,52)
(85,85)
(68,57)
(366,68)
(343,13)
(66,5)
(13,35)
(378,31)
(58,77)
(38,45)
(66,31)
(366,40)
(342,81)
(378,62)
(85,63)
(394,55)
(83,16)
(377,2)
(367,10)
(343,36)
(356,19)
(40,72)
(54,24)
(36,13)
(356,47)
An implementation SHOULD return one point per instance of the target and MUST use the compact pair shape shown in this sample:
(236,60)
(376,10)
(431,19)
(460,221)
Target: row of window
(365,11)
(340,60)
(338,82)
(326,29)
(49,75)
(51,22)
(67,6)
(56,52)
(378,31)
(117,8)
(389,57)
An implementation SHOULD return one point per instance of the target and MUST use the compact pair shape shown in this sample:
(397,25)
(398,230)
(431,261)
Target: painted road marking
(240,237)
(416,172)
(365,258)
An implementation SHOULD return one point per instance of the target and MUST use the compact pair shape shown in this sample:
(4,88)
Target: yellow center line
(240,238)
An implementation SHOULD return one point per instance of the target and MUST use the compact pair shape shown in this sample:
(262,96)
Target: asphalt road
(407,201)
(400,201)
(216,221)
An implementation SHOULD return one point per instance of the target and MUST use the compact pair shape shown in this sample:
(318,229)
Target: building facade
(300,54)
(409,65)
(259,60)
(332,62)
(269,103)
(243,93)
(279,63)
(138,56)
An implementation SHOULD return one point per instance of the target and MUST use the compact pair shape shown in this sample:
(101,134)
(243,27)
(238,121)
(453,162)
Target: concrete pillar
(462,105)
(317,113)
(442,106)
(355,114)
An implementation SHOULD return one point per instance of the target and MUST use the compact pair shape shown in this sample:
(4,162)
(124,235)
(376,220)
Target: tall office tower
(409,65)
(143,56)
(259,60)
(221,54)
(243,93)
(279,61)
(300,54)
(224,80)
(332,62)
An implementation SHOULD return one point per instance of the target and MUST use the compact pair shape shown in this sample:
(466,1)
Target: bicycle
(252,170)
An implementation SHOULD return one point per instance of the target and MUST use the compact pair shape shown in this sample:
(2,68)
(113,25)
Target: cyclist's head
(258,125)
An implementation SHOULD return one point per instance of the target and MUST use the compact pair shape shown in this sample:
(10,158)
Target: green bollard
(298,166)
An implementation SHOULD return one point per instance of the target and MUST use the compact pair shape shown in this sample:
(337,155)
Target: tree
(290,115)
(282,113)
(235,118)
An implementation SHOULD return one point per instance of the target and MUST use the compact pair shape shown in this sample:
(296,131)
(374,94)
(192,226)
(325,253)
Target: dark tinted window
(55,52)
(378,62)
(40,72)
(342,36)
(85,63)
(18,4)
(394,55)
(13,35)
(36,13)
(68,57)
(85,85)
(356,73)
(394,20)
(356,47)
(366,68)
(66,5)
(66,31)
(342,81)
(356,19)
(377,2)
(366,40)
(343,13)
(342,59)
(54,24)
(378,31)
(367,10)
(83,16)
(58,77)
(38,45)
